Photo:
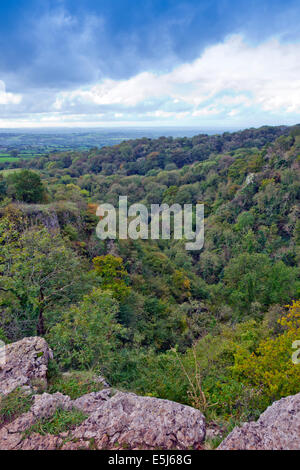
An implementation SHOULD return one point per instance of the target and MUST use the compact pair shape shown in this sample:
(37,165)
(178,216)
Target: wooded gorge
(213,329)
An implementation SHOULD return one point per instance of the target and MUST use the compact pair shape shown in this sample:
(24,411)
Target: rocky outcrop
(25,364)
(41,214)
(143,422)
(278,428)
(116,420)
(119,421)
(44,406)
(11,435)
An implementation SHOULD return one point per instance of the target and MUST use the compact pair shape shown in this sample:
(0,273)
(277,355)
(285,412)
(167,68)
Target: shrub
(88,332)
(270,368)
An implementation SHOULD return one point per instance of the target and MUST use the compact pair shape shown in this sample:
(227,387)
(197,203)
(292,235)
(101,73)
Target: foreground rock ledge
(115,420)
(120,421)
(146,422)
(278,428)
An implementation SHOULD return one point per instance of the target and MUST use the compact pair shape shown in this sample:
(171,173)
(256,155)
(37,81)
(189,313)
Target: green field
(10,170)
(4,159)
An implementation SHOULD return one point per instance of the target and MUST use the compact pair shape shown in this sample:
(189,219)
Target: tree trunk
(41,325)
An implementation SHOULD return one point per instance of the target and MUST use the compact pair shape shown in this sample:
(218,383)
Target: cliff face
(37,214)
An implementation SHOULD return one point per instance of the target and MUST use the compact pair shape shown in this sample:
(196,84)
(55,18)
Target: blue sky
(149,63)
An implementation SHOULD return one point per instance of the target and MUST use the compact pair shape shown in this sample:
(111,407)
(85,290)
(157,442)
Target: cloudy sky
(225,63)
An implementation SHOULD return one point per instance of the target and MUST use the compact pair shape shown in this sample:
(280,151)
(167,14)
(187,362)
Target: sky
(206,63)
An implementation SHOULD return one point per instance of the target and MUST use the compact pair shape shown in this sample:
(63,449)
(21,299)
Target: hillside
(211,329)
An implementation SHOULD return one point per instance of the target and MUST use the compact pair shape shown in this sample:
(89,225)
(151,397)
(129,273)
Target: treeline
(143,155)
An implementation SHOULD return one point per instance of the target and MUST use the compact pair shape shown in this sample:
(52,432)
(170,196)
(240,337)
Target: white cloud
(232,82)
(8,98)
(266,75)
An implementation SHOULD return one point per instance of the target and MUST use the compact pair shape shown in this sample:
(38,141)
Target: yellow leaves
(292,319)
(113,275)
(181,285)
(271,366)
(267,181)
(92,208)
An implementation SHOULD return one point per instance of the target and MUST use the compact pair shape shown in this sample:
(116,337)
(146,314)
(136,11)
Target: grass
(61,421)
(75,384)
(212,444)
(13,405)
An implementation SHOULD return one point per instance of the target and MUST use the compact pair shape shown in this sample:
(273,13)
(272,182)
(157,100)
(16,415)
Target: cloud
(8,98)
(226,75)
(231,80)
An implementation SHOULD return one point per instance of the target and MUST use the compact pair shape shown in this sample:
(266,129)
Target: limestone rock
(278,428)
(39,442)
(46,404)
(92,401)
(143,422)
(25,364)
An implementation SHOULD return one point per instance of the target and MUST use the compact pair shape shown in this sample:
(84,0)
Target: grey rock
(46,404)
(278,428)
(25,364)
(92,401)
(143,422)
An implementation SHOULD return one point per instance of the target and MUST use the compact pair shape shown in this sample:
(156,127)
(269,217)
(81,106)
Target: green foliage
(26,186)
(39,275)
(113,276)
(3,188)
(145,372)
(270,367)
(251,278)
(88,333)
(74,383)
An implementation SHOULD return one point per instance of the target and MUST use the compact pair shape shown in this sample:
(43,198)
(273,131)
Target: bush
(88,332)
(270,368)
(26,186)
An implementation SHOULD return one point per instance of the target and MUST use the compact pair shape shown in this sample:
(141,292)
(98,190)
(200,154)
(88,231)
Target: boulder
(278,428)
(25,364)
(131,421)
